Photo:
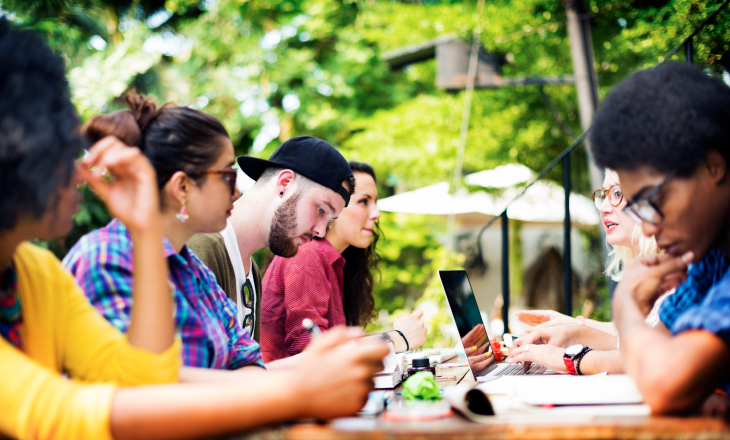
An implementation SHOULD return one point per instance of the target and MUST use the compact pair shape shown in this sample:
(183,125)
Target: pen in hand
(313,330)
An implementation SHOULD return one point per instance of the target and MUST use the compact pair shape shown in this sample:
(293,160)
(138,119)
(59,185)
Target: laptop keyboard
(518,370)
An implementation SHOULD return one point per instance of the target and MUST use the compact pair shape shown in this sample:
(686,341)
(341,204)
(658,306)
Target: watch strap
(569,365)
(387,337)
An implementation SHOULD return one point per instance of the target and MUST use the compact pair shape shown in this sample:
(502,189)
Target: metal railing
(564,157)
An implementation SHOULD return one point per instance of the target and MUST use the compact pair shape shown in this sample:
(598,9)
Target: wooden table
(456,427)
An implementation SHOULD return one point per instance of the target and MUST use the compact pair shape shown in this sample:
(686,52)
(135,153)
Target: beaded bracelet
(577,361)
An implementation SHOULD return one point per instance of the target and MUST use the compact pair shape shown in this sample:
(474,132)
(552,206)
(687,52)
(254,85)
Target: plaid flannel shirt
(102,263)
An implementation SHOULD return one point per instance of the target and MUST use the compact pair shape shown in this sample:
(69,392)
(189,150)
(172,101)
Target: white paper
(566,390)
(392,373)
(391,361)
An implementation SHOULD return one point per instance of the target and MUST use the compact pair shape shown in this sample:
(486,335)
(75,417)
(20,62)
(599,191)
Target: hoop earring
(183,214)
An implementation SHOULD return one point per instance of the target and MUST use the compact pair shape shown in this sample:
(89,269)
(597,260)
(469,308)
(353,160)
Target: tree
(272,69)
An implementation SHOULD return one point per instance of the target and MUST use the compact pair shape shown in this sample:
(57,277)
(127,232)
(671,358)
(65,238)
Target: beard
(282,235)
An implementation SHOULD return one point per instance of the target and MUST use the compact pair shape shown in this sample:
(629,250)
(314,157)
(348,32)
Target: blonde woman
(625,242)
(554,332)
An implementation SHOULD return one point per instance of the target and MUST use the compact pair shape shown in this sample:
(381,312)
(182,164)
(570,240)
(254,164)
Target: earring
(183,214)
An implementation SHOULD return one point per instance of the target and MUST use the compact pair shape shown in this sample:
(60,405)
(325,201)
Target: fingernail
(687,257)
(487,354)
(474,348)
(537,326)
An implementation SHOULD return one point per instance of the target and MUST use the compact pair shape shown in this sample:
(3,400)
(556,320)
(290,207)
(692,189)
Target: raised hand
(334,379)
(131,195)
(544,318)
(647,278)
(412,327)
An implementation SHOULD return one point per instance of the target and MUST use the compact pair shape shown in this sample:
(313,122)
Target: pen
(312,329)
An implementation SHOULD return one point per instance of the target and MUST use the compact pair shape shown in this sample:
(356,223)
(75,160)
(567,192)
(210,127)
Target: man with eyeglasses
(666,131)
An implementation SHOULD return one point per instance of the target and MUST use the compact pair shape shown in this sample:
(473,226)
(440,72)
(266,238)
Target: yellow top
(62,332)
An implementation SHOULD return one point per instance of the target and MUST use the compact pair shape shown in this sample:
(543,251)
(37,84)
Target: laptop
(467,316)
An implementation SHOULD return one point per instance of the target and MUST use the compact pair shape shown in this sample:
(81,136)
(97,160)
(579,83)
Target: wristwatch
(572,357)
(388,339)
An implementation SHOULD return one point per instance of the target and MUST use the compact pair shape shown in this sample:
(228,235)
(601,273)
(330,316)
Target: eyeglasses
(247,323)
(644,210)
(614,195)
(228,175)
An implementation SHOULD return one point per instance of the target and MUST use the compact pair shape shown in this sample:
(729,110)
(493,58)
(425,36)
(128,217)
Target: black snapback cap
(309,156)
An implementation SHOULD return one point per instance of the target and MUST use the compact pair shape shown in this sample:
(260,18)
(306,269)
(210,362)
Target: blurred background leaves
(273,69)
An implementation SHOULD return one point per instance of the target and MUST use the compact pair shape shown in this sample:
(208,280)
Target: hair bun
(143,108)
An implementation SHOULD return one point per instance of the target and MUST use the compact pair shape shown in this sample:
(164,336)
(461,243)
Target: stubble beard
(282,235)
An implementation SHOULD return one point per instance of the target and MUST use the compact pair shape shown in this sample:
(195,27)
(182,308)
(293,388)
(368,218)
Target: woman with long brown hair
(330,281)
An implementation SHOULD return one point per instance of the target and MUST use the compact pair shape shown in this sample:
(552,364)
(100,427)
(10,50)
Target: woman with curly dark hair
(330,281)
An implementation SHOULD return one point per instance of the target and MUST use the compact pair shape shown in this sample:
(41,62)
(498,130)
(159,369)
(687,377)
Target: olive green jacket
(212,250)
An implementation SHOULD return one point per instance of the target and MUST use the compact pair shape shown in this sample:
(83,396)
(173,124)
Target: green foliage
(250,62)
(411,255)
(515,258)
(405,259)
(602,311)
(439,325)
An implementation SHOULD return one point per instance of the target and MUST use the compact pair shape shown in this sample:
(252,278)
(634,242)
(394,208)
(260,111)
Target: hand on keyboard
(549,356)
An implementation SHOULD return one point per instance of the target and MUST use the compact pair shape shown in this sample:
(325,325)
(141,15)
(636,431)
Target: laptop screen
(468,319)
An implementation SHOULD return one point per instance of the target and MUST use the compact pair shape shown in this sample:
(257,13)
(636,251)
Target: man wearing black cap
(303,186)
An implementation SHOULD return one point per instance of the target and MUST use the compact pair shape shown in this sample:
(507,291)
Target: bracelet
(580,358)
(582,320)
(618,342)
(408,347)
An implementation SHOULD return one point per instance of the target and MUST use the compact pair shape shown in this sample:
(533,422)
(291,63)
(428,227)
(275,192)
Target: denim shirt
(702,302)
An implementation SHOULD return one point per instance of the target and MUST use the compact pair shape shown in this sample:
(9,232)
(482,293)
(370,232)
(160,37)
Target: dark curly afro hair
(666,118)
(39,128)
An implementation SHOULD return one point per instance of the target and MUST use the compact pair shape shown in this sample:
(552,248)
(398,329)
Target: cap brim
(253,166)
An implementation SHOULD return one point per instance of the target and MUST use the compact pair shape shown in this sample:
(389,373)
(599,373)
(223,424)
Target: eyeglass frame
(632,212)
(231,174)
(606,191)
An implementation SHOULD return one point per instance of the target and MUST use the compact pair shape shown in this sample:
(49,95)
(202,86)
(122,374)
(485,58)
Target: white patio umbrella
(543,202)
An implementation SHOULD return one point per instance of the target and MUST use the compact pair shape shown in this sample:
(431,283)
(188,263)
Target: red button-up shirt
(309,285)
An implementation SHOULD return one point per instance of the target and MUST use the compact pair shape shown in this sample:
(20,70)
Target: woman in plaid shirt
(193,157)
